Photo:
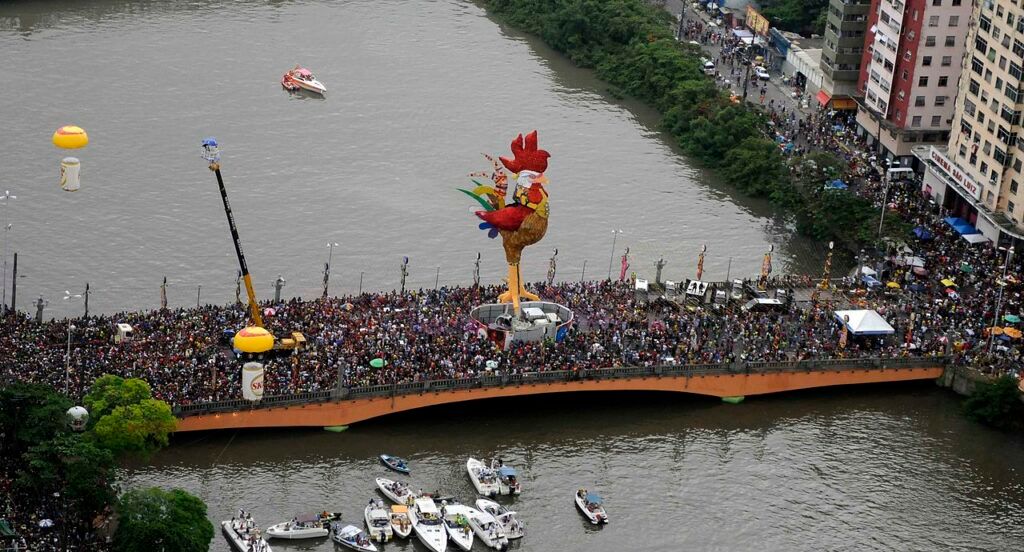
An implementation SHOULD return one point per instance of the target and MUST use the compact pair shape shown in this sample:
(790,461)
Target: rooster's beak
(541,180)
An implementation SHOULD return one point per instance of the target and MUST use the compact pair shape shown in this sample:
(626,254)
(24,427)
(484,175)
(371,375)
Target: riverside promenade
(344,406)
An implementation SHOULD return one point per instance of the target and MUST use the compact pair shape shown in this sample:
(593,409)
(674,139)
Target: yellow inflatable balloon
(254,339)
(70,137)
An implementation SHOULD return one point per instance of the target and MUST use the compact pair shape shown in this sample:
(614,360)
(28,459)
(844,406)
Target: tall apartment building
(907,86)
(841,53)
(979,175)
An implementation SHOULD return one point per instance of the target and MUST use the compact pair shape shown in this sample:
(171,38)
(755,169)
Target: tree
(996,404)
(74,466)
(755,167)
(154,519)
(109,392)
(142,428)
(31,414)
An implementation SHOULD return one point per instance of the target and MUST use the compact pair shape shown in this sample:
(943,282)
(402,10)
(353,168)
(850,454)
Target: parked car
(762,73)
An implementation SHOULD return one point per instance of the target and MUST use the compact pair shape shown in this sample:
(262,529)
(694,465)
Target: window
(1010,207)
(929,41)
(947,61)
(940,100)
(950,41)
(1013,186)
(1018,48)
(1015,71)
(980,44)
(1012,93)
(936,120)
(926,60)
(984,23)
(977,65)
(922,81)
(954,20)
(933,21)
(905,74)
(936,2)
(956,2)
(974,87)
(943,81)
(919,101)
(901,96)
(915,121)
(969,107)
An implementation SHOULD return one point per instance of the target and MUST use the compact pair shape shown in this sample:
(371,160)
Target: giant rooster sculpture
(523,222)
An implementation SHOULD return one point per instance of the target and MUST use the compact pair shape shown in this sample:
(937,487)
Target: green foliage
(154,519)
(31,414)
(798,16)
(142,428)
(996,404)
(755,167)
(109,392)
(73,465)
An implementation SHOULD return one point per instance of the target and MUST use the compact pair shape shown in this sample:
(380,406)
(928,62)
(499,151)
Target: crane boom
(254,309)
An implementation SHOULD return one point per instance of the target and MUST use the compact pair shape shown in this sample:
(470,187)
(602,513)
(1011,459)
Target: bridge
(346,406)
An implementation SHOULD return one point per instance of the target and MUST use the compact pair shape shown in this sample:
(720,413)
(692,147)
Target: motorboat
(508,479)
(456,523)
(592,506)
(487,529)
(427,523)
(301,78)
(484,479)
(352,537)
(378,521)
(400,523)
(513,528)
(304,526)
(395,463)
(396,491)
(243,534)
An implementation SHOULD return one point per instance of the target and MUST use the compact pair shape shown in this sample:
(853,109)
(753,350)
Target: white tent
(865,322)
(974,238)
(913,261)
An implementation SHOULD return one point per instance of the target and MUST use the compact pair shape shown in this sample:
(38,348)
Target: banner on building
(756,22)
(696,287)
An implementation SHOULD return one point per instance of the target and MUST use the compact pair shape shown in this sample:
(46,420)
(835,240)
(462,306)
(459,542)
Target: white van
(709,68)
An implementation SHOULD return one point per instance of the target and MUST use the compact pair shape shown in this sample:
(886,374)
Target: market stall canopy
(923,233)
(913,261)
(961,225)
(974,238)
(870,281)
(865,322)
(948,282)
(836,184)
(1012,318)
(868,270)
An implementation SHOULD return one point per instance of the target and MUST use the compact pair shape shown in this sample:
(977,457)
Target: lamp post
(885,194)
(999,298)
(611,257)
(67,354)
(5,201)
(327,267)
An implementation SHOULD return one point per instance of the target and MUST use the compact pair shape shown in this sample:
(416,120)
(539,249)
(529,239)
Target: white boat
(396,491)
(400,523)
(378,521)
(508,479)
(426,522)
(304,526)
(592,506)
(244,535)
(303,78)
(513,528)
(487,529)
(352,537)
(484,479)
(456,522)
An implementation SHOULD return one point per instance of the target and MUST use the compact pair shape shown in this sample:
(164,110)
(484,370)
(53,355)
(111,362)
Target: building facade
(908,80)
(845,28)
(979,176)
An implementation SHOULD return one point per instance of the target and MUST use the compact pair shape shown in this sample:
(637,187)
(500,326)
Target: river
(894,467)
(416,91)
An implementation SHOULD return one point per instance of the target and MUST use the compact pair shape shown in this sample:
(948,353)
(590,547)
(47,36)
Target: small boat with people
(508,479)
(304,526)
(592,506)
(378,521)
(395,463)
(427,523)
(487,529)
(400,522)
(243,533)
(484,478)
(513,528)
(456,523)
(301,78)
(352,537)
(396,491)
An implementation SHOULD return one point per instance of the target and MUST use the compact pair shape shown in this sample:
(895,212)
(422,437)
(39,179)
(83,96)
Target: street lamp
(4,202)
(885,194)
(327,267)
(67,354)
(999,299)
(611,257)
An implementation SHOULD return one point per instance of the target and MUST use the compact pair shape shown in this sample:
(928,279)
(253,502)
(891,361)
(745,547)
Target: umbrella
(46,523)
(920,271)
(1012,332)
(995,330)
(892,285)
(964,267)
(377,363)
(952,293)
(923,233)
(1012,318)
(948,282)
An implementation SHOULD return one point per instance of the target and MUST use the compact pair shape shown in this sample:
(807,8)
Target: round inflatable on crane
(70,137)
(254,339)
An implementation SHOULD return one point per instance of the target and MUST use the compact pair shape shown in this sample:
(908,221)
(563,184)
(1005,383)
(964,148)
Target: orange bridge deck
(347,406)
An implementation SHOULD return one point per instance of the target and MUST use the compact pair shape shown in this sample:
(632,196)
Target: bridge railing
(554,376)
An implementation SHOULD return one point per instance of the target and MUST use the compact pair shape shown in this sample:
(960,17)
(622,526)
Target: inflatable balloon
(254,339)
(377,363)
(252,381)
(70,137)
